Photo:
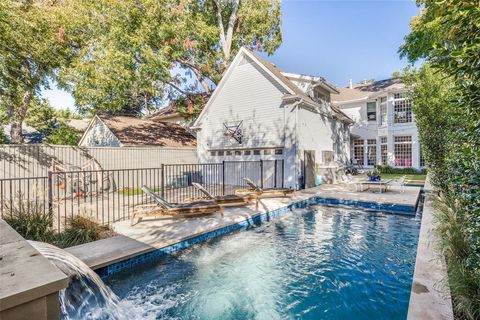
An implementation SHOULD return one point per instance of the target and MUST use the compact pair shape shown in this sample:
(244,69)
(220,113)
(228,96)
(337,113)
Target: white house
(384,131)
(257,112)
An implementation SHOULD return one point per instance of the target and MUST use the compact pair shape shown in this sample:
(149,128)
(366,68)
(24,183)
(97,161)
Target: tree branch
(198,74)
(231,26)
(218,15)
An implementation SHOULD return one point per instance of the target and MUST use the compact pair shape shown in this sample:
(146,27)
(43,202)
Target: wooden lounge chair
(264,193)
(230,200)
(165,208)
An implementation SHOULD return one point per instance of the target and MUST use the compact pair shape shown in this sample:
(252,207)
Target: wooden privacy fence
(110,195)
(22,161)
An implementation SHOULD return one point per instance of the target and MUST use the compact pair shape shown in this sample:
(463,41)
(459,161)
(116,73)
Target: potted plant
(374,175)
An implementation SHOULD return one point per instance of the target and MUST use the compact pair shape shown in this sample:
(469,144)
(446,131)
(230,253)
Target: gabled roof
(367,90)
(171,109)
(293,89)
(135,131)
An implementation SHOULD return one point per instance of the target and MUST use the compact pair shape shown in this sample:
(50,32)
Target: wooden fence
(24,161)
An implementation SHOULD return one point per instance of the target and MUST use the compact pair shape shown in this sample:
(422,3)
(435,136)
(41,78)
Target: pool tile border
(255,220)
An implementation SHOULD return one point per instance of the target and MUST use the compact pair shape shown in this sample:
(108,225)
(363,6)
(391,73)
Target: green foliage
(63,134)
(31,222)
(33,47)
(389,169)
(446,94)
(464,281)
(129,49)
(82,230)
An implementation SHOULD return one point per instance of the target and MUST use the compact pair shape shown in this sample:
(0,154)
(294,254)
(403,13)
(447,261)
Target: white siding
(373,130)
(251,96)
(98,135)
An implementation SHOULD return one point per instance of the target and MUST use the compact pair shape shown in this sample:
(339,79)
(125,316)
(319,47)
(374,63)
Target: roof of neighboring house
(80,125)
(170,110)
(367,90)
(30,134)
(166,112)
(136,131)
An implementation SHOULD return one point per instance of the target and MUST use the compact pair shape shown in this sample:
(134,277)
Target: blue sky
(336,39)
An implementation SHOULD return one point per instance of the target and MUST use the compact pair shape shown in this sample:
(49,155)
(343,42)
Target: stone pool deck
(151,234)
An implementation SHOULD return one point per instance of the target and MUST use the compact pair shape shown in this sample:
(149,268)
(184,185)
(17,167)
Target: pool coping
(133,259)
(430,296)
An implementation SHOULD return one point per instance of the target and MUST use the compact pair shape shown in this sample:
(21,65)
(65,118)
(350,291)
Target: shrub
(31,221)
(82,230)
(389,169)
(463,280)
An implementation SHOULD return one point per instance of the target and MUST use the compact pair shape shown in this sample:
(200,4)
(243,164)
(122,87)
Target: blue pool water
(316,263)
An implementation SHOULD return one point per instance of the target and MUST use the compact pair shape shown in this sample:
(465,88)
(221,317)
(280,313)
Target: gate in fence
(107,196)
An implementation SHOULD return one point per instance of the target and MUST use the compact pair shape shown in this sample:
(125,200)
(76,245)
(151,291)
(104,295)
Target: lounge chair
(400,182)
(165,208)
(350,182)
(230,200)
(264,193)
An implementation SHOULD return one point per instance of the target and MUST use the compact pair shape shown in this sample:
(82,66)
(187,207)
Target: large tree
(33,46)
(144,52)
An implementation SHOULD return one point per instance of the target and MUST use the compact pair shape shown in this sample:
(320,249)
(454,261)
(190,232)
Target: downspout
(297,158)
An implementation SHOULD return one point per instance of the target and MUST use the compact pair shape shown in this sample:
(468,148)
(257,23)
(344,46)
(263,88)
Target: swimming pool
(316,263)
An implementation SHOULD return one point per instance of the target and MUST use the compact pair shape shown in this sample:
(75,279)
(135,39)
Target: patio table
(382,184)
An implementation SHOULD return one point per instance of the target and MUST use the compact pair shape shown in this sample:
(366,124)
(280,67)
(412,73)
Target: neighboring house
(170,113)
(259,113)
(384,130)
(79,125)
(30,134)
(121,131)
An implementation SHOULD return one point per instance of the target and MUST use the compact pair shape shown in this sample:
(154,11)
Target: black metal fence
(108,196)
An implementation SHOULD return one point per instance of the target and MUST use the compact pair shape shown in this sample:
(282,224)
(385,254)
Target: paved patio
(153,233)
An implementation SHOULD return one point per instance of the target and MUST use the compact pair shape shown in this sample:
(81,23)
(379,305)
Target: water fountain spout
(86,297)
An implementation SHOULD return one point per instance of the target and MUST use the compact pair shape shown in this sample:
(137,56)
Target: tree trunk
(16,132)
(16,118)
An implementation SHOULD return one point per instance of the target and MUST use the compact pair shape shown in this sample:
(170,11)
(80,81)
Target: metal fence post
(261,174)
(283,173)
(223,177)
(275,174)
(50,192)
(163,181)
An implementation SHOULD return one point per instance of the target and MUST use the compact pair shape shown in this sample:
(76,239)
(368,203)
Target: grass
(409,176)
(398,175)
(136,191)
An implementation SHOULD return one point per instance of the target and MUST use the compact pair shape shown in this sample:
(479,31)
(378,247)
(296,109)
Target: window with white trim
(403,151)
(371,111)
(358,151)
(384,150)
(371,152)
(383,111)
(402,108)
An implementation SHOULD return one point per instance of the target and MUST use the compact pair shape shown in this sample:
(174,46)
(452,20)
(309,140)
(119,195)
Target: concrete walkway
(151,234)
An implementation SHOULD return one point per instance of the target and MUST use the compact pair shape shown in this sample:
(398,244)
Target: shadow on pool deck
(153,233)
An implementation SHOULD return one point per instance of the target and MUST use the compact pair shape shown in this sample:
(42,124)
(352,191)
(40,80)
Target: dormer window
(371,111)
(319,95)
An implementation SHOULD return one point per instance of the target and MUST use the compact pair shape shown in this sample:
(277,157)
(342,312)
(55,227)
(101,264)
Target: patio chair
(164,208)
(400,182)
(230,200)
(264,193)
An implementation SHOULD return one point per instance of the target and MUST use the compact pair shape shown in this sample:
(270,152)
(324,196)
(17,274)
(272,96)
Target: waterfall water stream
(86,297)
